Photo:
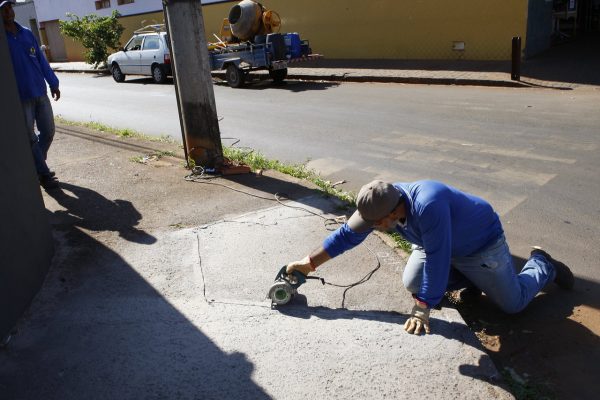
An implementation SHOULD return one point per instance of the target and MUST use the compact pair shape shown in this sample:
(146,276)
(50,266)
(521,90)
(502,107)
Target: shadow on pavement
(95,75)
(480,371)
(258,82)
(108,139)
(264,83)
(422,65)
(100,330)
(144,80)
(577,61)
(526,82)
(289,191)
(298,308)
(90,210)
(545,341)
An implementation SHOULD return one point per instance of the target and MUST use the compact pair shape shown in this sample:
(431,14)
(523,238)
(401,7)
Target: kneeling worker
(457,239)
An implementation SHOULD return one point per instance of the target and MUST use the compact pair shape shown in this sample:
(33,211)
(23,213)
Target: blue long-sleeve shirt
(444,221)
(30,65)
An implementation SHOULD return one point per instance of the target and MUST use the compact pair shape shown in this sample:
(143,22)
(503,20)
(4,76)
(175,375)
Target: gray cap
(5,2)
(375,201)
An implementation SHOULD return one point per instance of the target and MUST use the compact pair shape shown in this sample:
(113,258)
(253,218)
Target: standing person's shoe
(48,182)
(564,276)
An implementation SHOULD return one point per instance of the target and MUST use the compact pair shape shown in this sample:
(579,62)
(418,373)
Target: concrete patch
(360,351)
(184,316)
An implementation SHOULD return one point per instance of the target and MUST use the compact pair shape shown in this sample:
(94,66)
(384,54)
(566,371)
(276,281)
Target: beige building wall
(397,29)
(55,41)
(75,49)
(131,24)
(381,29)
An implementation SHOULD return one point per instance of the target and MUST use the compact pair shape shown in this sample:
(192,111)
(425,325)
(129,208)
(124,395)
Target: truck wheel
(278,75)
(235,77)
(117,75)
(158,74)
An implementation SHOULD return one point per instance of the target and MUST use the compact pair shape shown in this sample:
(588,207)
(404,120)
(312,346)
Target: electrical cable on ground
(359,282)
(199,175)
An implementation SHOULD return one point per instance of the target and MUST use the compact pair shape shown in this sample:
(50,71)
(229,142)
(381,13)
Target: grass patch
(138,159)
(522,389)
(401,243)
(254,159)
(165,154)
(124,133)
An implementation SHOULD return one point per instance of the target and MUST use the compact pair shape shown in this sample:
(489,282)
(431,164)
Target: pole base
(229,168)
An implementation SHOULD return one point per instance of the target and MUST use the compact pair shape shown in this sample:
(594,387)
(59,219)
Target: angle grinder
(286,286)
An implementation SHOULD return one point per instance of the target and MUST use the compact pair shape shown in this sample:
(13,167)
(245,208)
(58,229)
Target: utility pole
(193,82)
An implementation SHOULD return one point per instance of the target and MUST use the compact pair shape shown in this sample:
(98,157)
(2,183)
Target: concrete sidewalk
(158,290)
(476,73)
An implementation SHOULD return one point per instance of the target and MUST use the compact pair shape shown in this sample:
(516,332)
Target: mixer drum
(245,19)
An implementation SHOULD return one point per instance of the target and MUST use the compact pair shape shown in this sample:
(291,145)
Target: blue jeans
(38,112)
(492,271)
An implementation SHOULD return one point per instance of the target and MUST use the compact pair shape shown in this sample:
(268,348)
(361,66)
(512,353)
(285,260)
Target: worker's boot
(470,295)
(564,277)
(467,296)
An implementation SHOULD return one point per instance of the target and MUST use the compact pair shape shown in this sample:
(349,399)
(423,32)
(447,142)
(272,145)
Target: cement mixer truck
(250,40)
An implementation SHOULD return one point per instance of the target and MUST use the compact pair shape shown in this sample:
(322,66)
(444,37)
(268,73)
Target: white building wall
(24,12)
(25,15)
(50,10)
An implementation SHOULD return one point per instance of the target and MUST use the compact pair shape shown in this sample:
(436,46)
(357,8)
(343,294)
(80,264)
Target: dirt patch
(548,351)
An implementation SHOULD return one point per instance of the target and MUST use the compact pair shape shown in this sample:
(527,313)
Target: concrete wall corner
(26,245)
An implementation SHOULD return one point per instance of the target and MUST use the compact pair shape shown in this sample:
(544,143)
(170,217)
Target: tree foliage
(96,34)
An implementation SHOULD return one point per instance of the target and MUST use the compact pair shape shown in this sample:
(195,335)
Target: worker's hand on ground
(302,266)
(419,319)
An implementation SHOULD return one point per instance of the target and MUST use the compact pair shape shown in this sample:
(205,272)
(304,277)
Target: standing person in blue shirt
(32,71)
(458,241)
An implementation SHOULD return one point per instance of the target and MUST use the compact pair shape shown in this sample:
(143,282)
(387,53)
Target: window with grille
(121,2)
(100,4)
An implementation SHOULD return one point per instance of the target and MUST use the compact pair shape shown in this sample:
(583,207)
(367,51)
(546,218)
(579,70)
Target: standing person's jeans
(38,111)
(492,271)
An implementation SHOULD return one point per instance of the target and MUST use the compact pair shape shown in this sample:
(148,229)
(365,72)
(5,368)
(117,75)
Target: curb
(358,79)
(394,79)
(83,71)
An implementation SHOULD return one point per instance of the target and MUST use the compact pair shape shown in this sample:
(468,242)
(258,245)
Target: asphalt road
(532,152)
